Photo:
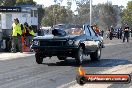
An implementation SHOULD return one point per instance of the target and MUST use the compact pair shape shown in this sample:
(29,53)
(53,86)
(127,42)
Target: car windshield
(74,31)
(68,30)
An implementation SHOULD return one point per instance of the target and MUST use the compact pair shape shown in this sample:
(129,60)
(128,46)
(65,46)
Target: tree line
(104,15)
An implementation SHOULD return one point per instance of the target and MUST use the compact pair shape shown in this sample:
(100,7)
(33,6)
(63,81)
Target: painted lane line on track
(9,56)
(18,83)
(111,44)
(65,85)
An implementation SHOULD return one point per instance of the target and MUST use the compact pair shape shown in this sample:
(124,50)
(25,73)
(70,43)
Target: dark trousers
(119,35)
(16,43)
(28,40)
(20,43)
(126,36)
(111,35)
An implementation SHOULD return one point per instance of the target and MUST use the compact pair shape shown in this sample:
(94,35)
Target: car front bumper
(56,50)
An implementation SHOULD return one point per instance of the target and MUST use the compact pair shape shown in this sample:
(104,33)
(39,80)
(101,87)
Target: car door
(89,41)
(95,39)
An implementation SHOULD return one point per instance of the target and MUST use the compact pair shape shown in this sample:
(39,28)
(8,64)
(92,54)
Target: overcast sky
(51,2)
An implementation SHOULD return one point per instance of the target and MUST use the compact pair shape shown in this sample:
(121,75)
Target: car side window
(92,32)
(87,31)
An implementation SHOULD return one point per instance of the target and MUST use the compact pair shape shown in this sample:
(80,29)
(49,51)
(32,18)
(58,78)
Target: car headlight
(76,42)
(70,42)
(36,42)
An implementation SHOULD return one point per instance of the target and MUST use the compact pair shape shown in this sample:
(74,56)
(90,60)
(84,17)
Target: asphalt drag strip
(116,59)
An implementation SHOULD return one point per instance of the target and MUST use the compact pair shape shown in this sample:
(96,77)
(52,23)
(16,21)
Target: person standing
(32,34)
(29,33)
(16,36)
(111,33)
(102,33)
(119,33)
(96,29)
(126,34)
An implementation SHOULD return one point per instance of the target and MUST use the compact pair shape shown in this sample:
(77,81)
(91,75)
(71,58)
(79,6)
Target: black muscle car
(75,41)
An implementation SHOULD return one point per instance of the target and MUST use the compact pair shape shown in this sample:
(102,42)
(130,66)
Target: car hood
(56,37)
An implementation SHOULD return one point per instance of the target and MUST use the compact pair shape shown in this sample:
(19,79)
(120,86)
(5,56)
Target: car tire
(95,56)
(39,59)
(61,57)
(79,56)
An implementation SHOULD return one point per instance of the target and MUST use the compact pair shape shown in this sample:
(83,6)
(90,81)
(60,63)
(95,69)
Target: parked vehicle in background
(115,33)
(75,41)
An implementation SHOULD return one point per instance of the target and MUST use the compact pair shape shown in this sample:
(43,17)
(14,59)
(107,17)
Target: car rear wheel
(39,59)
(95,56)
(79,56)
(62,57)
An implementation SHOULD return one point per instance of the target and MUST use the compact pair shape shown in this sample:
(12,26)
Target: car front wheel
(79,56)
(39,59)
(95,56)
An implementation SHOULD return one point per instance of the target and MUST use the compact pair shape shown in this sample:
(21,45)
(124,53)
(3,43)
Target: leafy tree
(127,14)
(83,9)
(48,19)
(55,14)
(16,2)
(104,15)
(107,15)
(7,2)
(25,2)
(69,12)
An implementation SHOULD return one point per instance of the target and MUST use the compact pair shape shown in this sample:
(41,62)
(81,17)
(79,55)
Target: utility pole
(90,12)
(54,14)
